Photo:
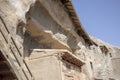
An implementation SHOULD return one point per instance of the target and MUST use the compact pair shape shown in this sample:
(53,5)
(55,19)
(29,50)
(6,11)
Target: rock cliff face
(44,36)
(111,59)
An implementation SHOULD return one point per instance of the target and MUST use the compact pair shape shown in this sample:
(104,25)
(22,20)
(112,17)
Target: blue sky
(100,18)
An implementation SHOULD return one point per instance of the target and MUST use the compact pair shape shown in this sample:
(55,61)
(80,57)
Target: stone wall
(45,24)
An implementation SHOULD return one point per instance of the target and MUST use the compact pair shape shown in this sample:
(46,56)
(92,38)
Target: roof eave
(79,29)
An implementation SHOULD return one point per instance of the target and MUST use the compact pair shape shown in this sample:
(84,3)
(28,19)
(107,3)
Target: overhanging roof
(81,32)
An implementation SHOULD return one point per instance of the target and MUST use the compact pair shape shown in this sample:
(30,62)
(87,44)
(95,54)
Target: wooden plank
(21,63)
(69,7)
(9,60)
(68,3)
(13,40)
(9,41)
(2,21)
(5,50)
(31,76)
(19,60)
(71,10)
(4,31)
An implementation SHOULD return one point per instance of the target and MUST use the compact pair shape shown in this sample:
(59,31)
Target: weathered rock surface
(39,28)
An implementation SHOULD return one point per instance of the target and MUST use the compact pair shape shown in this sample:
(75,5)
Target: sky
(100,18)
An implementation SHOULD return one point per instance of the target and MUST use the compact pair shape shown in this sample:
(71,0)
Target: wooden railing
(13,55)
